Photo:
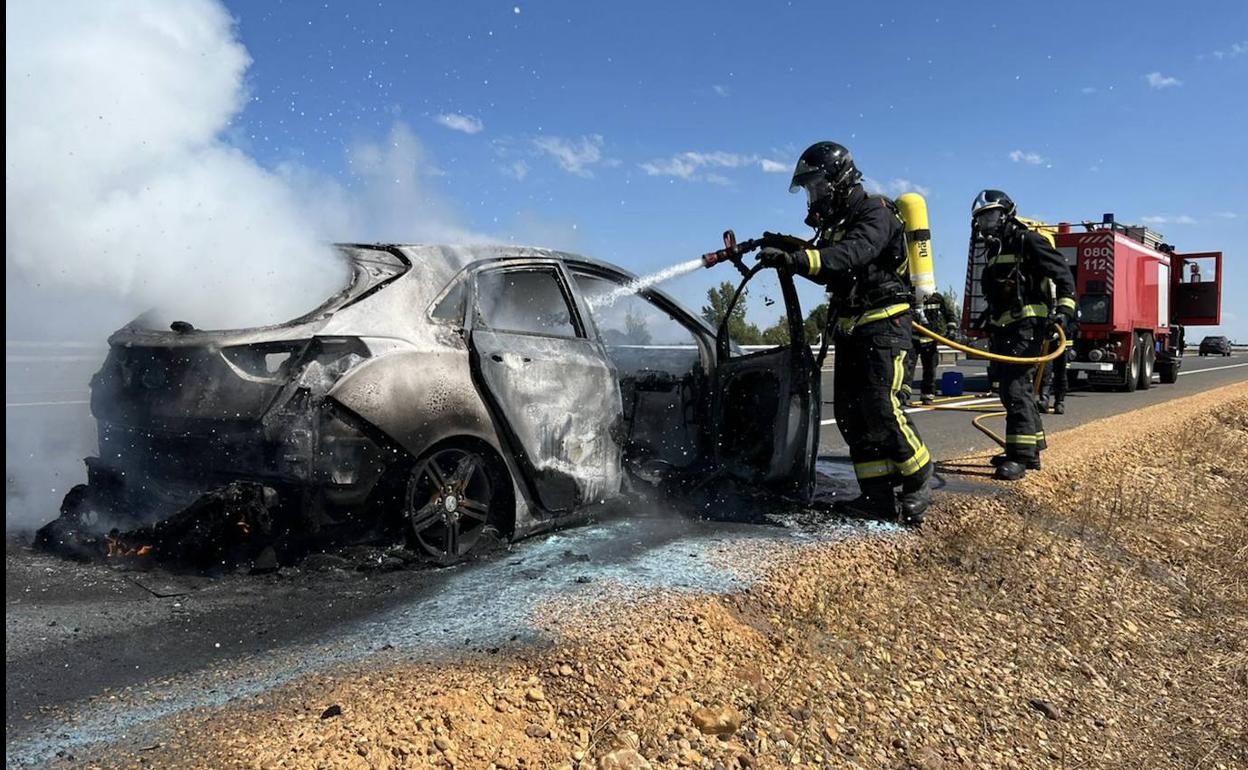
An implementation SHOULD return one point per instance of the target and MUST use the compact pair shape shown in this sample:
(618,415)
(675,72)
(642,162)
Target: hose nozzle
(729,252)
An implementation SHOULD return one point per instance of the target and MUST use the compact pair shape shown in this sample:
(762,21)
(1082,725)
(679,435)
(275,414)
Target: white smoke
(122,195)
(118,180)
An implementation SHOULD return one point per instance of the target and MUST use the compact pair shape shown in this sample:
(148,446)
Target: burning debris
(223,528)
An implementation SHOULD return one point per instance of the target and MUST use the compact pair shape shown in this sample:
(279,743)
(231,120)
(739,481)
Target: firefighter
(1055,382)
(937,316)
(1020,314)
(859,255)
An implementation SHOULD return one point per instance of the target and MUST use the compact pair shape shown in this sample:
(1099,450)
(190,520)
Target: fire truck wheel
(1148,357)
(1131,369)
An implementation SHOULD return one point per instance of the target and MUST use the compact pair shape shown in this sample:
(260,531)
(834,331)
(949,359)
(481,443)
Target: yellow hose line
(976,352)
(1042,359)
(987,431)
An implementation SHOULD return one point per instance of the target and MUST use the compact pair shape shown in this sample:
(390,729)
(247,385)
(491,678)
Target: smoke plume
(123,195)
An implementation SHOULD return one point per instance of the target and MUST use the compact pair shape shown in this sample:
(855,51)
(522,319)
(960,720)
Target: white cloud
(1181,219)
(894,187)
(691,165)
(1158,80)
(1226,215)
(1030,158)
(1087,90)
(573,156)
(1236,49)
(465,123)
(721,90)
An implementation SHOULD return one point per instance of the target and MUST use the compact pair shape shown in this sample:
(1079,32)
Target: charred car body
(452,392)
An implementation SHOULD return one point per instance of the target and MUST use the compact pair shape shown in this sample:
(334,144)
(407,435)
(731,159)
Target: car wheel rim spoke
(464,472)
(426,517)
(434,473)
(452,537)
(474,509)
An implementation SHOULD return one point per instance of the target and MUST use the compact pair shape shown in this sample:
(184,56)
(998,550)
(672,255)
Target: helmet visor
(817,189)
(803,174)
(990,220)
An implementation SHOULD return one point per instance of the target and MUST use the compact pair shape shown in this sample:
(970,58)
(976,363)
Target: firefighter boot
(1031,464)
(1059,407)
(928,398)
(1011,470)
(876,502)
(916,496)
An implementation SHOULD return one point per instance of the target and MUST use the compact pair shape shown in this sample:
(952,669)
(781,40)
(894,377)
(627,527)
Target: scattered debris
(331,712)
(1044,707)
(161,590)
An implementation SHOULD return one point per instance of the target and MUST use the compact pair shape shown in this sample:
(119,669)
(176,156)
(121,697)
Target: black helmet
(829,160)
(993,199)
(991,214)
(828,174)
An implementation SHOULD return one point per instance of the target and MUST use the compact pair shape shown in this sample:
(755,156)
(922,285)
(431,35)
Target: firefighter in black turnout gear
(1056,382)
(860,256)
(937,316)
(1021,308)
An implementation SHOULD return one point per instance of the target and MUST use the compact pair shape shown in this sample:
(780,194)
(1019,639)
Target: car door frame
(538,483)
(791,470)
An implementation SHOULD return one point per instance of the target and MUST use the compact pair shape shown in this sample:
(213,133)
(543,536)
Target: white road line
(1213,369)
(914,409)
(45,403)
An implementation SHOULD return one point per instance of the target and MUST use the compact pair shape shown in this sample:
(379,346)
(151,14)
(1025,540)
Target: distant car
(453,392)
(1214,346)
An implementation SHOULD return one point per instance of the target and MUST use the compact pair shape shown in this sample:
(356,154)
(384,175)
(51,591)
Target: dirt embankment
(1096,616)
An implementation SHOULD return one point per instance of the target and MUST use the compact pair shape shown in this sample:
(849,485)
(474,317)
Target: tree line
(742,332)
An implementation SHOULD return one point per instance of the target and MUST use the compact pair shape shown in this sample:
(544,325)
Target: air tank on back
(913,210)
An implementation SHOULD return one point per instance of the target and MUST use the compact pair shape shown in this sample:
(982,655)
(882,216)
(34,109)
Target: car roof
(434,266)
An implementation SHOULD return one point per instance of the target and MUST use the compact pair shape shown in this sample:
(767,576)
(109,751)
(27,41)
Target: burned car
(453,393)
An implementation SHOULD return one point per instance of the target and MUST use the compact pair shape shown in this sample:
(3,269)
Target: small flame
(118,548)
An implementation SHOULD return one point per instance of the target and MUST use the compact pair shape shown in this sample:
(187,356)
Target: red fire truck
(1136,295)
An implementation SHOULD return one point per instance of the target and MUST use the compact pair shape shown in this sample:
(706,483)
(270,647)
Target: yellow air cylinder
(913,210)
(1047,231)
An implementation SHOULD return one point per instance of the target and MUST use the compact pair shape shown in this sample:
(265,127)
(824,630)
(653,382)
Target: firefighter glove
(780,259)
(1062,316)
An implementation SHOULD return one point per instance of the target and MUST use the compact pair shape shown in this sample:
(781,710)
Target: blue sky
(637,132)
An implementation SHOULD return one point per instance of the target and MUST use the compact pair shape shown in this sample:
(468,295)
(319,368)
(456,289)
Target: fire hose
(734,251)
(1042,359)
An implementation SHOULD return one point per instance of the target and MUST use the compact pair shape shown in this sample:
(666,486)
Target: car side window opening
(530,301)
(625,318)
(662,375)
(759,319)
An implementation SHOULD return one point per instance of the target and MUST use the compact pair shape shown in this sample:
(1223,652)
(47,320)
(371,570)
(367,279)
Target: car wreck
(453,395)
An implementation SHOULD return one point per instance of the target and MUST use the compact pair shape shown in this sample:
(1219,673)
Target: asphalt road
(95,653)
